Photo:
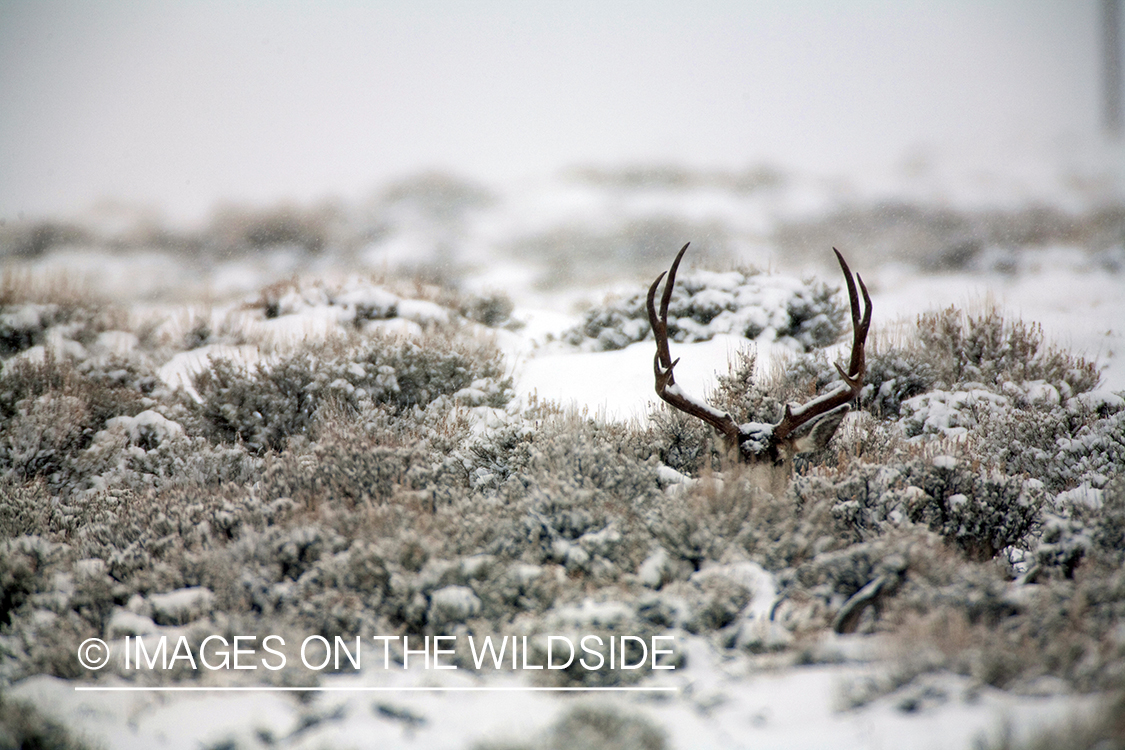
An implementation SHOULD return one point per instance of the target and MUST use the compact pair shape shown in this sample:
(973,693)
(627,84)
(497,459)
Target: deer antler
(662,363)
(853,378)
(758,441)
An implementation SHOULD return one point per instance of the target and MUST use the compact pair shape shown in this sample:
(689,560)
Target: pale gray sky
(181,104)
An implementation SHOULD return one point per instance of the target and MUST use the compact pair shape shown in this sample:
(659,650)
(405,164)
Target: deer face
(771,460)
(768,448)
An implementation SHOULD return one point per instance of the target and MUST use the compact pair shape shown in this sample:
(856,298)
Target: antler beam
(662,363)
(853,378)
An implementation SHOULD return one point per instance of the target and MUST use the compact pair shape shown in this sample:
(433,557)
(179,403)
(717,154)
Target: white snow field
(719,703)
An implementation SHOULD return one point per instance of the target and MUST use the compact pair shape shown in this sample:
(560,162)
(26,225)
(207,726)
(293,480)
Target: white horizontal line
(289,689)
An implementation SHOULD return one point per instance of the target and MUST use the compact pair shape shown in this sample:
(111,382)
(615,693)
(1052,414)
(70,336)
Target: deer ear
(815,436)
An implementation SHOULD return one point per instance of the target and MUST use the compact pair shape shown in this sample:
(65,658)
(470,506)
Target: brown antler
(853,378)
(662,363)
(755,441)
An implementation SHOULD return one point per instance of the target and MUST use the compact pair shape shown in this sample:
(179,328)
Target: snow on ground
(719,703)
(619,385)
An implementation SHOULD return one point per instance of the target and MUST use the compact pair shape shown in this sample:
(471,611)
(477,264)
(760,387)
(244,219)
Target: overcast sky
(178,105)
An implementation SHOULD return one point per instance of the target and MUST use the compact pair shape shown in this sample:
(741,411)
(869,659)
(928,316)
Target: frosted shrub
(493,310)
(989,349)
(496,457)
(49,602)
(1062,545)
(1065,628)
(133,372)
(371,305)
(49,414)
(260,411)
(437,195)
(25,570)
(1062,444)
(276,401)
(699,524)
(704,304)
(894,376)
(571,499)
(943,238)
(746,397)
(580,255)
(1082,440)
(675,177)
(683,442)
(1077,532)
(46,432)
(950,413)
(23,326)
(339,473)
(354,464)
(65,326)
(236,229)
(1109,535)
(834,580)
(980,512)
(25,507)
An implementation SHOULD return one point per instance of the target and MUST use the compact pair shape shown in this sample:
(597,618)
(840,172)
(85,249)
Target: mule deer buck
(768,448)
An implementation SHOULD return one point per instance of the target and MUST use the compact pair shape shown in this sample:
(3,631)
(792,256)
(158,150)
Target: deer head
(768,448)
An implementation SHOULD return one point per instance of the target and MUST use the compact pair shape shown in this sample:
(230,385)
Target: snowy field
(523,266)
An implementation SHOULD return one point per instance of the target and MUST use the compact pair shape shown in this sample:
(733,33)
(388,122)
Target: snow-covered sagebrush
(802,314)
(373,477)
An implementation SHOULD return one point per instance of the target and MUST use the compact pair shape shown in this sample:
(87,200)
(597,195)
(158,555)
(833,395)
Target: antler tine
(853,379)
(663,362)
(667,296)
(857,365)
(659,327)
